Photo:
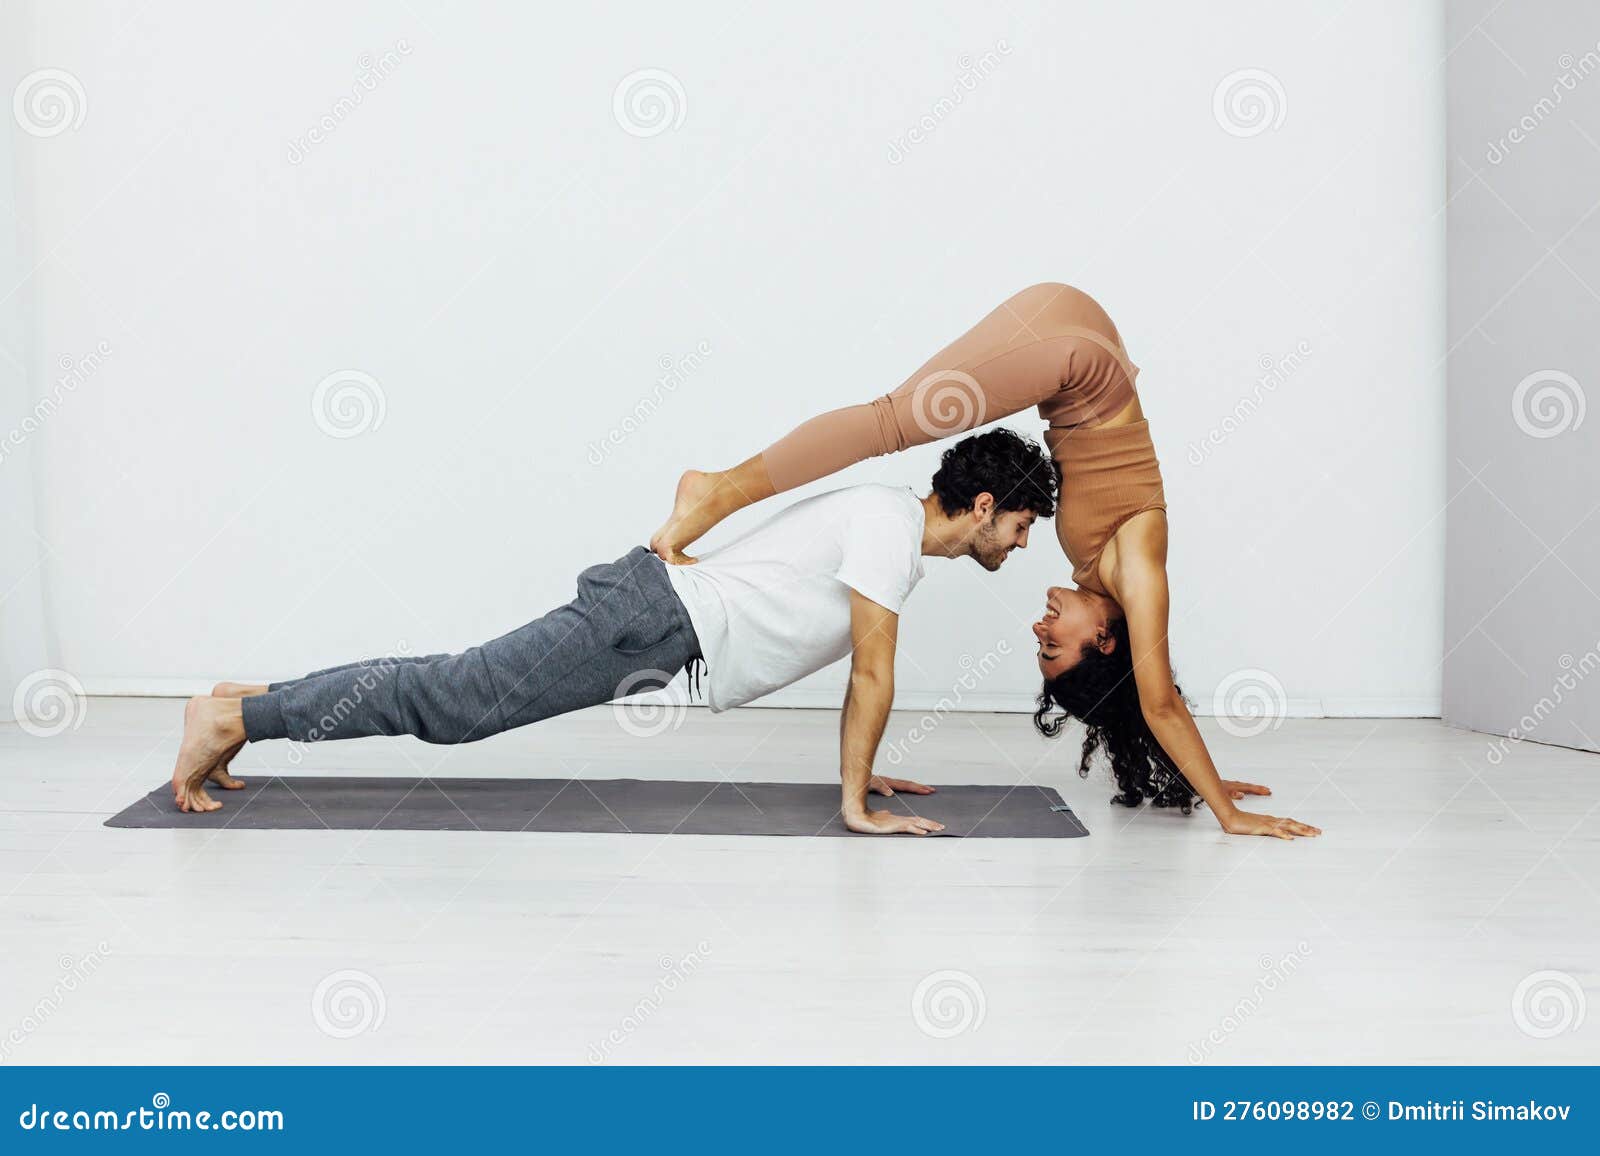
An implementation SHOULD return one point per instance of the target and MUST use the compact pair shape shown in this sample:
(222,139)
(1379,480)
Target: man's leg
(624,621)
(219,770)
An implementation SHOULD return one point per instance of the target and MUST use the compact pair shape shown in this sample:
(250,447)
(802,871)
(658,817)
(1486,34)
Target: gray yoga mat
(616,806)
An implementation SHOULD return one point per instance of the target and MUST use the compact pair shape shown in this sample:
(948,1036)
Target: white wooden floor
(1443,882)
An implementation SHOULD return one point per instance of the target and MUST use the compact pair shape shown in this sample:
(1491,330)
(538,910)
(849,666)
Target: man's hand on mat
(1250,823)
(882,785)
(1238,790)
(888,823)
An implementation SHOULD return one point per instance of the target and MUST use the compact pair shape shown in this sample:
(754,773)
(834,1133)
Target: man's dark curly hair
(1015,469)
(1100,692)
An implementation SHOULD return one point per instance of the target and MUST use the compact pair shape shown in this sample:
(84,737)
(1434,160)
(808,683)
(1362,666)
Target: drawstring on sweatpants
(696,668)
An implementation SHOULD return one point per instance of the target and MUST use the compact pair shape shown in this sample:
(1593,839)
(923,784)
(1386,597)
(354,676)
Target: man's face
(1000,535)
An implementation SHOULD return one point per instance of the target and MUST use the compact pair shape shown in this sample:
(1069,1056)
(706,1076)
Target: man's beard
(986,550)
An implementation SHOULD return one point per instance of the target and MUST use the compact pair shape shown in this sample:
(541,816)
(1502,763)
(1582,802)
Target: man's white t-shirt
(773,606)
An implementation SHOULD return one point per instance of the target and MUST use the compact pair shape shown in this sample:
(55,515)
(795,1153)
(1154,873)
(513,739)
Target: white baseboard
(806,698)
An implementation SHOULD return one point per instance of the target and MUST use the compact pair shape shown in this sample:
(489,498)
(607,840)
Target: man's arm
(874,631)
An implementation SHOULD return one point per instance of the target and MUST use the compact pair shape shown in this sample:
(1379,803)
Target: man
(823,578)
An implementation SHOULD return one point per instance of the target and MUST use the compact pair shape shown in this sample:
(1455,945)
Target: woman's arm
(1141,589)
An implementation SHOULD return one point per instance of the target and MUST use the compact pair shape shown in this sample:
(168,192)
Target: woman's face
(1071,619)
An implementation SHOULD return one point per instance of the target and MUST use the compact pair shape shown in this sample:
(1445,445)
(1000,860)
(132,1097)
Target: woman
(1103,645)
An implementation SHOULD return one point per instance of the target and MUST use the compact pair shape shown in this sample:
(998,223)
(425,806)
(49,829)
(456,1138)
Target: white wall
(483,238)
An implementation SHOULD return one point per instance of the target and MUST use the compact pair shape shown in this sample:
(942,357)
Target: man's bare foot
(237,689)
(212,727)
(690,518)
(219,772)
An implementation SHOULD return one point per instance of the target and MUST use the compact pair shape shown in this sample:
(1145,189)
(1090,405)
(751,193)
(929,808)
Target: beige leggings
(1050,345)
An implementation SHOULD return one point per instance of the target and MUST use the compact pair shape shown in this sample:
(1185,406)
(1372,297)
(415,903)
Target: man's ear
(983,506)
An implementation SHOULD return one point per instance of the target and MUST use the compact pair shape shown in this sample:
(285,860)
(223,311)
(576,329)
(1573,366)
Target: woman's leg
(1016,357)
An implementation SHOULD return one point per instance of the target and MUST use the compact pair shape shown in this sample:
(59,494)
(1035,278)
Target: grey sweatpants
(626,632)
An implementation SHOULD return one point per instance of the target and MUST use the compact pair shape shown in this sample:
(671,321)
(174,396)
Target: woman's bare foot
(690,518)
(211,728)
(703,500)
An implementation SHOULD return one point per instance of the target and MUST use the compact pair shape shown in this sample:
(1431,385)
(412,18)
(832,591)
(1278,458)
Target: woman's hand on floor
(1238,790)
(1250,823)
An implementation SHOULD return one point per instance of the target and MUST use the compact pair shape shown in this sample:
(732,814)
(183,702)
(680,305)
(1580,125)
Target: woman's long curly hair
(1100,693)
